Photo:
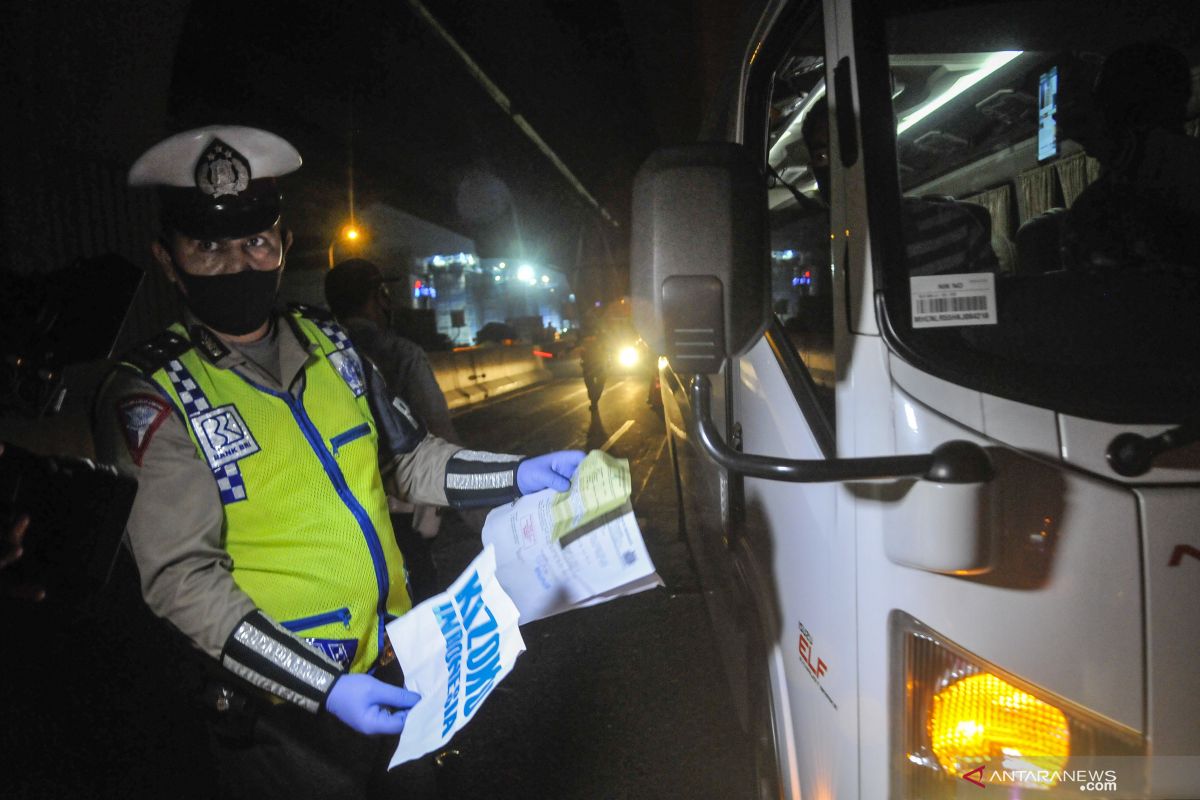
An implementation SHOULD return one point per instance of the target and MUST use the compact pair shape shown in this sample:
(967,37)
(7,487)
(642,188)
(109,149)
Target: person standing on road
(264,444)
(594,357)
(358,296)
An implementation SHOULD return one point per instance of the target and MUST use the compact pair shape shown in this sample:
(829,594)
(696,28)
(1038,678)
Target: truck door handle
(950,462)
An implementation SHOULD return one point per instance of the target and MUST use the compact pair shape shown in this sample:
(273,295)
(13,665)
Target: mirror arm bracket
(951,462)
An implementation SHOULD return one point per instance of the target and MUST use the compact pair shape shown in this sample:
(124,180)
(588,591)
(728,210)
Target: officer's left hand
(369,705)
(548,471)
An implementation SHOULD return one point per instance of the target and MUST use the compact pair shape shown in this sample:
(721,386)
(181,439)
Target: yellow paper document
(600,486)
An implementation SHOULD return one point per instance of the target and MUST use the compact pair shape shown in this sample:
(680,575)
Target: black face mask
(235,304)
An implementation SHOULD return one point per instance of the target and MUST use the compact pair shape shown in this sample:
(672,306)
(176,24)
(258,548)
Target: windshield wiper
(1130,454)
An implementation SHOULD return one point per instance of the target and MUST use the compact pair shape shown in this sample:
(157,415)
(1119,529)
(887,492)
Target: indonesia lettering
(468,624)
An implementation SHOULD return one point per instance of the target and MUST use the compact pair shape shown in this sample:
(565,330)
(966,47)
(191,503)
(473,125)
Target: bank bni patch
(223,436)
(221,432)
(225,439)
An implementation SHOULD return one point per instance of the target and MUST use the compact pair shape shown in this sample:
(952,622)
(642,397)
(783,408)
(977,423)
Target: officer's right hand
(548,471)
(370,706)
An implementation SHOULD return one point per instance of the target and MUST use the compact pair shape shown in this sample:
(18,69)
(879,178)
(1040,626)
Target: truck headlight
(627,356)
(952,713)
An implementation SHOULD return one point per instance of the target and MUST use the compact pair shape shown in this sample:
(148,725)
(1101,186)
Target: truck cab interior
(1052,146)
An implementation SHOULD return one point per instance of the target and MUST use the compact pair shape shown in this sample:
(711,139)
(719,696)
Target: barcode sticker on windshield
(940,301)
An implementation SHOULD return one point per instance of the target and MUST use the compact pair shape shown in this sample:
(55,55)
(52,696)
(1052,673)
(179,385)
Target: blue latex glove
(368,705)
(548,471)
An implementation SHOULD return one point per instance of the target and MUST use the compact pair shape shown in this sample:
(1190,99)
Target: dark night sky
(603,83)
(88,87)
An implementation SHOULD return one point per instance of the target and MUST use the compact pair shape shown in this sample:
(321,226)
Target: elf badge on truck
(928,300)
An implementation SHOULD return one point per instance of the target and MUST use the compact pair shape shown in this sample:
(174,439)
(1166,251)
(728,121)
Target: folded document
(543,554)
(561,550)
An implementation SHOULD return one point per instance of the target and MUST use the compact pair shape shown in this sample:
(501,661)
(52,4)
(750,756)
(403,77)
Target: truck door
(778,581)
(786,396)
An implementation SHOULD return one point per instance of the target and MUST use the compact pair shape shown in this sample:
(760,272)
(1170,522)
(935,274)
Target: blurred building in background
(467,293)
(443,293)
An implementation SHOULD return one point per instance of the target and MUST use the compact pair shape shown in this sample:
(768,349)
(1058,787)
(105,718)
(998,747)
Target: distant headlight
(627,356)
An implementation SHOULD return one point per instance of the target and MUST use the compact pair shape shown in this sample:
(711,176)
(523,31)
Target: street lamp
(351,236)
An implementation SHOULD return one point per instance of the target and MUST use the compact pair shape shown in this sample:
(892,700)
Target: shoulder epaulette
(315,313)
(155,353)
(208,343)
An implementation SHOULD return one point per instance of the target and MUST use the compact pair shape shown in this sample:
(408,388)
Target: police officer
(264,446)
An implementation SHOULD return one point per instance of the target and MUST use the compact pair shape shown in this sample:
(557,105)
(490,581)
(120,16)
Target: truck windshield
(1041,218)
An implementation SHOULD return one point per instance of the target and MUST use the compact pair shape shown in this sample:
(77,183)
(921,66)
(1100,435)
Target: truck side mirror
(700,276)
(701,294)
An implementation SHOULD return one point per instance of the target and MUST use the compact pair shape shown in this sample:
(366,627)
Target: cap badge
(222,170)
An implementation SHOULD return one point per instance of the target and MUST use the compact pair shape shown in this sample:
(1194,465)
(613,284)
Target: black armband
(266,655)
(476,479)
(399,429)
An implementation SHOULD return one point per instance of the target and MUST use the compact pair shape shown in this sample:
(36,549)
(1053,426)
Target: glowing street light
(351,235)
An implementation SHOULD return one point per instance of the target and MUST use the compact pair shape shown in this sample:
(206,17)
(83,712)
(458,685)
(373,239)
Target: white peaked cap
(172,162)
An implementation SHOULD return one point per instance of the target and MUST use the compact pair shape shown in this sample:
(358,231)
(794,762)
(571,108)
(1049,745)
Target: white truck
(929,312)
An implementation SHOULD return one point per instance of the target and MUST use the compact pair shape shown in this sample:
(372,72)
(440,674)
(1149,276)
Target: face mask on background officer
(226,259)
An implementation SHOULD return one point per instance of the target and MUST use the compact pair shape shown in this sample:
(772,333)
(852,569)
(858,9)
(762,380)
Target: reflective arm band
(477,479)
(262,653)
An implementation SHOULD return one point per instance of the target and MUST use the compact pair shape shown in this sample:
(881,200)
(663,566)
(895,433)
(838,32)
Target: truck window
(1045,239)
(801,273)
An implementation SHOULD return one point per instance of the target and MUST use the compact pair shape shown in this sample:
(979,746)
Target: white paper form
(546,571)
(454,648)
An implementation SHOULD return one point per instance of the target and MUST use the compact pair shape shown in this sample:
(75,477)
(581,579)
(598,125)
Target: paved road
(623,700)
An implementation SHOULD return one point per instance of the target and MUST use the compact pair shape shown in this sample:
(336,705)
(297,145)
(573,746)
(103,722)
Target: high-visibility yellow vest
(306,517)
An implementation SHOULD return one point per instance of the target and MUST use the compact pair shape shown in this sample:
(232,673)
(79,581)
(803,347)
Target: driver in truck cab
(1144,210)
